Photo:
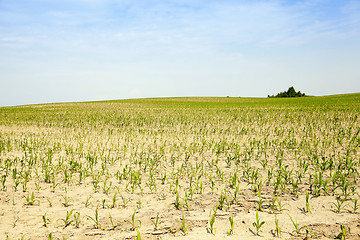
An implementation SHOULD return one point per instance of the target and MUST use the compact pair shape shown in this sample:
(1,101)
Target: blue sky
(78,50)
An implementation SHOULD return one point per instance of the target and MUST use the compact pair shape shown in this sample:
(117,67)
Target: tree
(289,93)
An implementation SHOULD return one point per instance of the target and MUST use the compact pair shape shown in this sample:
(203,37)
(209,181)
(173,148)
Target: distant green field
(41,113)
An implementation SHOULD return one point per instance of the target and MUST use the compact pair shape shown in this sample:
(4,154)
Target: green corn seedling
(277,228)
(66,220)
(113,225)
(156,222)
(183,227)
(211,229)
(96,220)
(133,222)
(342,235)
(45,220)
(113,204)
(66,202)
(30,200)
(138,236)
(338,205)
(231,231)
(177,201)
(258,224)
(307,202)
(77,219)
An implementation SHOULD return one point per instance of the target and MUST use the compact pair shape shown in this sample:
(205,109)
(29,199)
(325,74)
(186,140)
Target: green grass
(148,112)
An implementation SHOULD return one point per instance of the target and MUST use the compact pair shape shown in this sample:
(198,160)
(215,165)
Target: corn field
(192,168)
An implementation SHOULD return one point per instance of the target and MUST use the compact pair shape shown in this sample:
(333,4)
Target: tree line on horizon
(289,93)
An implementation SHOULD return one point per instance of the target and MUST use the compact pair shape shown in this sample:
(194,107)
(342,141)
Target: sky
(83,50)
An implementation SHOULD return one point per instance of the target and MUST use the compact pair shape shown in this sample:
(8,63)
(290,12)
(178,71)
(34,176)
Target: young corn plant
(307,202)
(277,228)
(222,201)
(95,184)
(45,220)
(38,187)
(183,227)
(235,195)
(124,201)
(87,202)
(138,204)
(95,219)
(260,202)
(133,222)
(297,228)
(113,204)
(231,230)
(66,202)
(177,201)
(77,219)
(211,229)
(138,236)
(156,222)
(15,222)
(258,224)
(280,205)
(113,225)
(107,187)
(186,203)
(54,185)
(273,205)
(212,186)
(338,205)
(16,184)
(3,180)
(342,235)
(355,207)
(66,220)
(29,200)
